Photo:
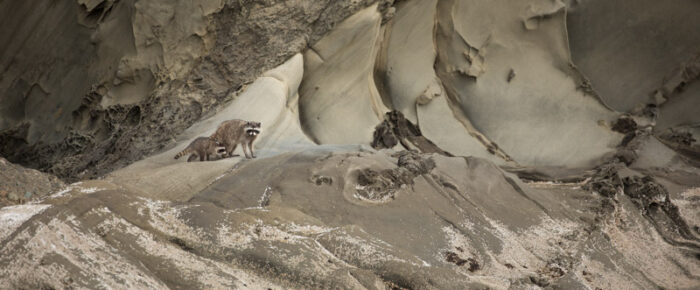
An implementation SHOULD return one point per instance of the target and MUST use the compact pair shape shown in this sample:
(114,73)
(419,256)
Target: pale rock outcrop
(271,100)
(339,102)
(535,182)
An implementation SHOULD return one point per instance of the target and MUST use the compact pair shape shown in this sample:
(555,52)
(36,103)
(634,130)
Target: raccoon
(233,132)
(202,147)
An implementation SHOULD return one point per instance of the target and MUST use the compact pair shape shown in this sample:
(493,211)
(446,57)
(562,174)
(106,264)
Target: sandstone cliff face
(500,162)
(90,86)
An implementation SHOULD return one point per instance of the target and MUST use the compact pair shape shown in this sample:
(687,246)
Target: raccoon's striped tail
(183,153)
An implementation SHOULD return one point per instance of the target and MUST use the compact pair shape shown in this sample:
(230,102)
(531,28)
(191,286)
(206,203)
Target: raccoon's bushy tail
(183,153)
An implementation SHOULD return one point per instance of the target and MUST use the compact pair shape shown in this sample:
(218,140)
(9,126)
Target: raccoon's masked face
(220,149)
(252,128)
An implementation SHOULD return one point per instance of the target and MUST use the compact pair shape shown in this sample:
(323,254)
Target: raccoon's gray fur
(233,132)
(202,147)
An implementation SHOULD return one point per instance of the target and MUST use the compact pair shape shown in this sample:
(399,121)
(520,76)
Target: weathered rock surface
(496,163)
(460,223)
(622,64)
(20,185)
(92,86)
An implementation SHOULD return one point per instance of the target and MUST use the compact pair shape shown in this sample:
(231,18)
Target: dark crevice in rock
(382,185)
(454,258)
(397,129)
(650,197)
(396,282)
(605,181)
(182,244)
(517,188)
(557,175)
(653,200)
(678,137)
(624,125)
(682,142)
(379,72)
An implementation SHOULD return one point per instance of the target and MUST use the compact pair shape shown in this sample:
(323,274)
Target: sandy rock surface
(20,185)
(322,219)
(410,145)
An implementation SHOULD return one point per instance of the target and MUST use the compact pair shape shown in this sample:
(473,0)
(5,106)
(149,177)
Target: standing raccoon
(233,132)
(202,147)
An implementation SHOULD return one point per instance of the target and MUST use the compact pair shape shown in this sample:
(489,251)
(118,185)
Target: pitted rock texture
(500,162)
(92,86)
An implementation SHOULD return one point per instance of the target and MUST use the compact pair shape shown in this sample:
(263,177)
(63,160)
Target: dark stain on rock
(678,137)
(473,265)
(321,180)
(653,200)
(397,129)
(605,180)
(645,191)
(511,75)
(649,196)
(454,258)
(380,185)
(182,244)
(557,267)
(624,125)
(627,156)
